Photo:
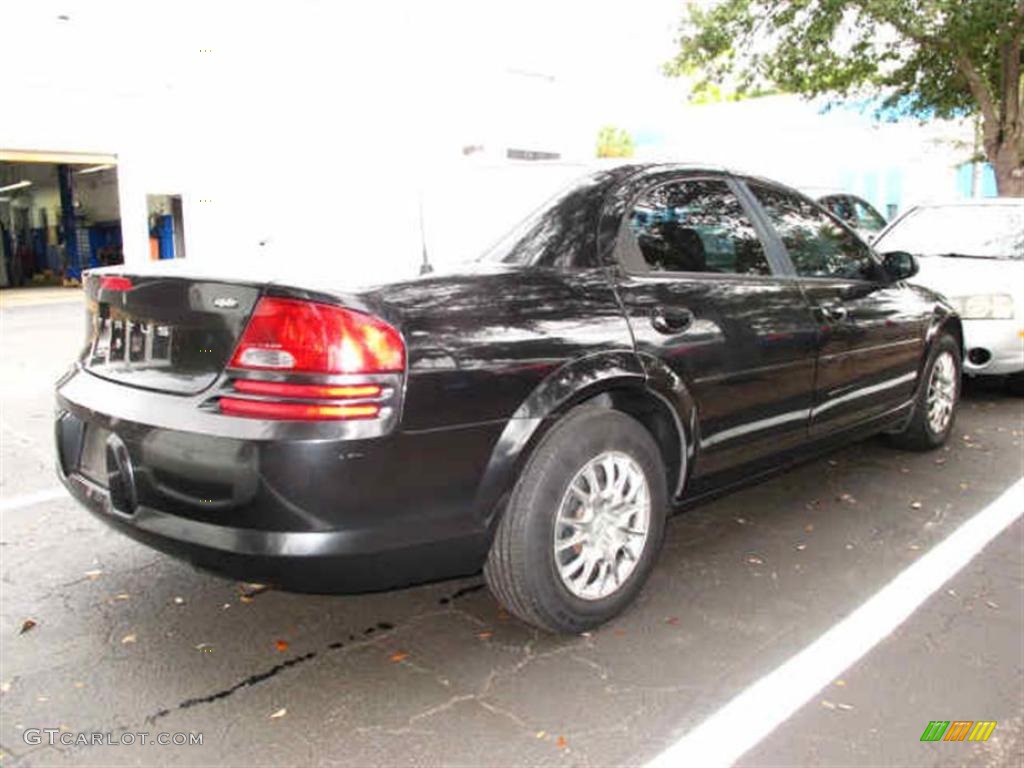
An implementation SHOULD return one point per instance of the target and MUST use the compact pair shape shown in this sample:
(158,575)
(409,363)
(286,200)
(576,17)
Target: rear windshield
(560,233)
(981,231)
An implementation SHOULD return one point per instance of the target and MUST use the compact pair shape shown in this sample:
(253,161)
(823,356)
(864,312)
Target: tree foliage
(614,142)
(925,58)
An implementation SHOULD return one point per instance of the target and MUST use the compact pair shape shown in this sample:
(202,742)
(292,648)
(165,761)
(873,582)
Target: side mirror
(900,265)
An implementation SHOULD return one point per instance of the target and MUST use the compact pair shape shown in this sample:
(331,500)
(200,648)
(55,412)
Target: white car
(973,252)
(856,212)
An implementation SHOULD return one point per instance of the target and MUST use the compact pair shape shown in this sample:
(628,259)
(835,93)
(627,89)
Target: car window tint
(867,218)
(696,226)
(817,245)
(840,207)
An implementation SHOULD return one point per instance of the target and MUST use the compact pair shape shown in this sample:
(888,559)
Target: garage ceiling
(38,156)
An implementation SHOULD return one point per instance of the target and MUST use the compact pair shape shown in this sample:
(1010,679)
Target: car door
(706,297)
(871,330)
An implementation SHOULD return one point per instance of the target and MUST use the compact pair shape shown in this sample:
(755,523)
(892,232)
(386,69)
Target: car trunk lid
(168,334)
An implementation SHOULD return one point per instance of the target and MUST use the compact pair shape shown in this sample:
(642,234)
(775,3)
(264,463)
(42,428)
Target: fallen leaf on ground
(281,645)
(541,734)
(179,601)
(754,560)
(27,624)
(801,547)
(991,604)
(904,470)
(809,527)
(399,656)
(129,639)
(122,596)
(485,635)
(280,713)
(93,575)
(251,590)
(245,599)
(561,743)
(827,704)
(741,520)
(5,686)
(915,505)
(847,497)
(940,461)
(79,684)
(841,683)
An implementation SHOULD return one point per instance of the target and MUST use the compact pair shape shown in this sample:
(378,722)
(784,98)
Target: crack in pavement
(260,677)
(295,661)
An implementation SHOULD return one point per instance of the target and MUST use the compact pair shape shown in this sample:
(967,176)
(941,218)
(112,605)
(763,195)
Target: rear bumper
(307,514)
(319,562)
(999,345)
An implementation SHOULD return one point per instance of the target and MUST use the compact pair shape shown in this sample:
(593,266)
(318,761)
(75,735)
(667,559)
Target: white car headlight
(984,306)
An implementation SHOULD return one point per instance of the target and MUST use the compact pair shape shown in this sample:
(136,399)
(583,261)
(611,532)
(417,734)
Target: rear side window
(692,226)
(817,246)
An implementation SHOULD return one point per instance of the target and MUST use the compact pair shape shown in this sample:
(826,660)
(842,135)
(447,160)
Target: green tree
(614,142)
(926,58)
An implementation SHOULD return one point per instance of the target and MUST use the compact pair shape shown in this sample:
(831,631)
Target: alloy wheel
(602,526)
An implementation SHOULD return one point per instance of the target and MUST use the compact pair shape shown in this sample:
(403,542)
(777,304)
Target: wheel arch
(623,381)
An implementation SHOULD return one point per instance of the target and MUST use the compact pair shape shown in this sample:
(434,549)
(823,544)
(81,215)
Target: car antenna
(425,266)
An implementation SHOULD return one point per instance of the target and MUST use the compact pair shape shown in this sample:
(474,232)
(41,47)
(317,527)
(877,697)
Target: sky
(607,55)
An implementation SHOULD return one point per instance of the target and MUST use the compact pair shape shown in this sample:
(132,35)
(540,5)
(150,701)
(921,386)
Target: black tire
(1015,384)
(919,434)
(521,568)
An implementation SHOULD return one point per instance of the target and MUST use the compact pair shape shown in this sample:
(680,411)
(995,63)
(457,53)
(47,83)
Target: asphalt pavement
(127,641)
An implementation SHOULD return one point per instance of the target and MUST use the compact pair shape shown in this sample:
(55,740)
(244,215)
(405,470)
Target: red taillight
(262,409)
(115,283)
(308,337)
(317,391)
(293,336)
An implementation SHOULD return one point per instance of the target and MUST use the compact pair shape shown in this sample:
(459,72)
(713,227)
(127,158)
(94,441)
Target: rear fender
(573,383)
(585,379)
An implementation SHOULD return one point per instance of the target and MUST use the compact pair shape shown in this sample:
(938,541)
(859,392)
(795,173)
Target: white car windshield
(979,231)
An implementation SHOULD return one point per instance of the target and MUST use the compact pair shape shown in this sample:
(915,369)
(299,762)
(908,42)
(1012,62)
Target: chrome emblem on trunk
(225,302)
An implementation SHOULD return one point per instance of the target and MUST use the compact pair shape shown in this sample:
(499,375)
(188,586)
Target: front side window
(817,246)
(867,218)
(695,226)
(840,207)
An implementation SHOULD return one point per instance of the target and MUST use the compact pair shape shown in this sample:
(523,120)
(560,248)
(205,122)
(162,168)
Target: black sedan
(653,335)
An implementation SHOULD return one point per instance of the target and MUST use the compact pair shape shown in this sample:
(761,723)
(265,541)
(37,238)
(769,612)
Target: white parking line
(739,725)
(37,497)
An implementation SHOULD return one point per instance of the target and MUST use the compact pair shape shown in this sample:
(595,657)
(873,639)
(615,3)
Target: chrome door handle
(671,320)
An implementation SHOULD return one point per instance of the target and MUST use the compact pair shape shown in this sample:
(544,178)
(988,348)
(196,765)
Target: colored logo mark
(958,730)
